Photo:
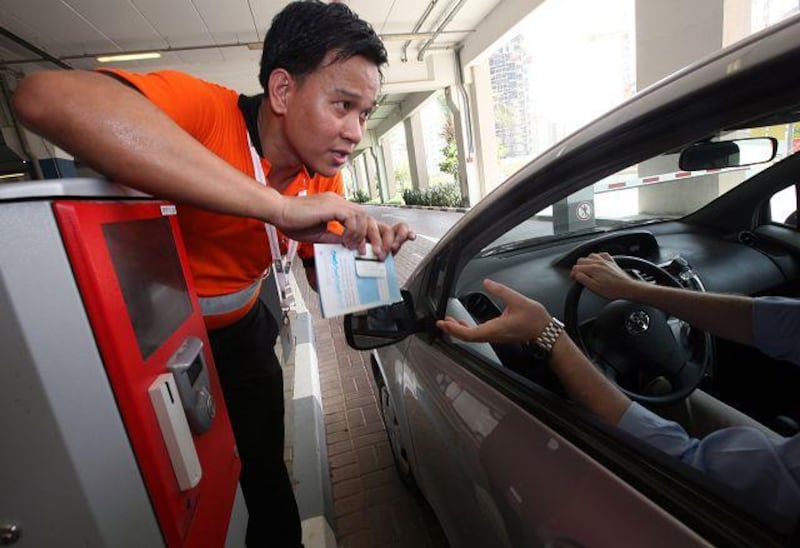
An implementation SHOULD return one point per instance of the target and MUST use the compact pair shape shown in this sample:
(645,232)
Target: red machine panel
(132,271)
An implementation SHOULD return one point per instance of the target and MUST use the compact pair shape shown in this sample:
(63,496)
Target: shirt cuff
(668,436)
(776,326)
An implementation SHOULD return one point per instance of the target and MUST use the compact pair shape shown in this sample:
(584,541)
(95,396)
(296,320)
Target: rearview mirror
(381,326)
(722,154)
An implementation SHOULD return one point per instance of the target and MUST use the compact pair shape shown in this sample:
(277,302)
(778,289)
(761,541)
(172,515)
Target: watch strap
(544,343)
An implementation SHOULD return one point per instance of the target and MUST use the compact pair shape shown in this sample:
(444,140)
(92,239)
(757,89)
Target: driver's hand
(600,274)
(522,320)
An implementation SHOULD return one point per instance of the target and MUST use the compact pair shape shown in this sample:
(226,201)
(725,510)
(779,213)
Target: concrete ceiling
(220,40)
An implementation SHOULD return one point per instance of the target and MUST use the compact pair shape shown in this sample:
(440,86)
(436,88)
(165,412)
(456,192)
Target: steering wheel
(633,343)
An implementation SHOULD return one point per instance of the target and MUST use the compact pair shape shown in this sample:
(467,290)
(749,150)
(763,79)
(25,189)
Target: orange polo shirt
(226,253)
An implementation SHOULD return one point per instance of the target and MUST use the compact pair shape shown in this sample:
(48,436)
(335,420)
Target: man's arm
(121,134)
(744,458)
(727,316)
(523,320)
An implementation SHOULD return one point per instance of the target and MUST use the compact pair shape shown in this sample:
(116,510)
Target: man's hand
(600,274)
(522,320)
(395,236)
(305,219)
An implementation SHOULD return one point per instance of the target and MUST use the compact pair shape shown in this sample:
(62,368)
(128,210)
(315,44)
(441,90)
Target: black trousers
(252,384)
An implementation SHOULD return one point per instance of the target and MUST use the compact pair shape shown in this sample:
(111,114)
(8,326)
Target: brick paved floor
(372,507)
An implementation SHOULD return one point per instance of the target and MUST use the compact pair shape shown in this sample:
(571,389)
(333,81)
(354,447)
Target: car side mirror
(722,154)
(381,326)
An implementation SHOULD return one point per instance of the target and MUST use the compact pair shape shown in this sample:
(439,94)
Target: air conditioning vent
(747,238)
(480,306)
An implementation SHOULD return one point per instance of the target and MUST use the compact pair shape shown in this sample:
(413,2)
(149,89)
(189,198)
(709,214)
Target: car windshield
(651,191)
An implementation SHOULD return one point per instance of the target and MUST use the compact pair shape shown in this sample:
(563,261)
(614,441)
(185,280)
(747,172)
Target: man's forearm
(121,134)
(585,384)
(727,316)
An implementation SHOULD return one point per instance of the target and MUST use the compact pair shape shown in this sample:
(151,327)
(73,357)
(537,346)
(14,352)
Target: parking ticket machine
(113,428)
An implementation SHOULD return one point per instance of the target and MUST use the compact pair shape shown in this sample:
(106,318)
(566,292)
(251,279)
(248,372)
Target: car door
(497,476)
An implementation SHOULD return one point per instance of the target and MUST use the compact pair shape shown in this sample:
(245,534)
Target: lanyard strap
(280,266)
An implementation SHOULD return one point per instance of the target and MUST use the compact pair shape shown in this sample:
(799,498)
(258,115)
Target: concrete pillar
(485,166)
(350,183)
(576,212)
(388,168)
(371,170)
(457,111)
(670,36)
(417,159)
(383,175)
(736,21)
(362,183)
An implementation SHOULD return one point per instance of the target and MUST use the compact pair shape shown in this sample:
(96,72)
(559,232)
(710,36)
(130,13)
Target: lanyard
(281,265)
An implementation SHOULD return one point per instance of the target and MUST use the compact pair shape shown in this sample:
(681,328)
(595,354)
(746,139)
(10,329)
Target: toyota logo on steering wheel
(637,323)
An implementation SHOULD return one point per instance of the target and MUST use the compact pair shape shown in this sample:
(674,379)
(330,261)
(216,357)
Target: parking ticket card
(349,282)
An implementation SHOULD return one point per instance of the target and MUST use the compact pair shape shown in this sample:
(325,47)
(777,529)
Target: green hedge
(444,195)
(359,196)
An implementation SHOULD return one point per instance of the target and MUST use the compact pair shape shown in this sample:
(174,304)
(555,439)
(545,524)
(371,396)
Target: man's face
(327,112)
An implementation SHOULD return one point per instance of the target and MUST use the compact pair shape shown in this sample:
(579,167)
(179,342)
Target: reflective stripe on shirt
(225,304)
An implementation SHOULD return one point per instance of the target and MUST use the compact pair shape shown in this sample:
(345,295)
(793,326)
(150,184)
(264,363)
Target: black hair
(303,33)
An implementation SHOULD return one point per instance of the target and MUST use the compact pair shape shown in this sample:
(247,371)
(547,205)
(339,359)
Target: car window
(654,190)
(783,207)
(644,193)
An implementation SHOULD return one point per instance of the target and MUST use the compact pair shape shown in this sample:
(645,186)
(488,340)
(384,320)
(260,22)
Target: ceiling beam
(43,55)
(409,106)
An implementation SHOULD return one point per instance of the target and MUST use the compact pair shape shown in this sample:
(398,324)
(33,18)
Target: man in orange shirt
(201,146)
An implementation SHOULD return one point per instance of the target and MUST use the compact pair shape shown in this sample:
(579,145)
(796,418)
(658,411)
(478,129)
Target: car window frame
(687,497)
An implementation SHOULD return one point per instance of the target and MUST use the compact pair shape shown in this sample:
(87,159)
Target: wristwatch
(542,346)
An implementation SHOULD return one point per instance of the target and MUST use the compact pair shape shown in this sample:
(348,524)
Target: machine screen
(146,262)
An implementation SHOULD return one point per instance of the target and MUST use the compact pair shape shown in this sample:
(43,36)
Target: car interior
(709,216)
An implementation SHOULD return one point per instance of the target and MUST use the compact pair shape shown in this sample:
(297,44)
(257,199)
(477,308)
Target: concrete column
(486,167)
(457,108)
(670,36)
(417,159)
(362,183)
(350,182)
(371,170)
(736,21)
(388,167)
(576,212)
(383,176)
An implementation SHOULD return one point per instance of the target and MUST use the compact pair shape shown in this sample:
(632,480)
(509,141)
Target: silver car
(692,183)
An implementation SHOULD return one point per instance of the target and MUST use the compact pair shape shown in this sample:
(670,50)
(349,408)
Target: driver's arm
(727,316)
(758,465)
(523,320)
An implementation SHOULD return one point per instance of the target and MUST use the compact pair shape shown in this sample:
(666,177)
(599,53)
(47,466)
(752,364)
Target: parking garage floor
(372,508)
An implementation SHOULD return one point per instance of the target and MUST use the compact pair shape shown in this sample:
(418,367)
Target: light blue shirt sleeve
(766,472)
(776,327)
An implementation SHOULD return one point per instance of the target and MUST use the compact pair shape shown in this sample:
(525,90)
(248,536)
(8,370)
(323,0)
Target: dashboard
(765,261)
(745,263)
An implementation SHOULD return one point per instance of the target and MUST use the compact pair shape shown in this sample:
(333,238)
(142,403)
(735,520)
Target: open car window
(535,257)
(652,191)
